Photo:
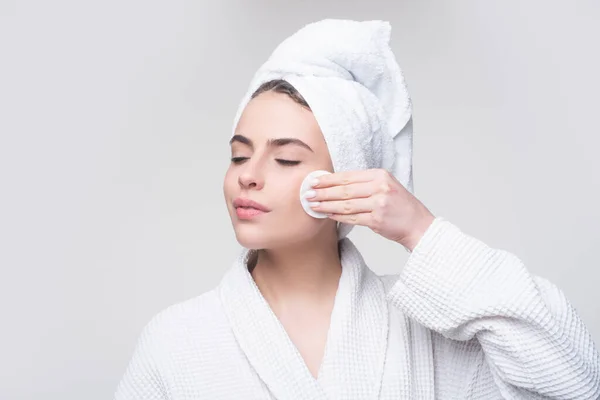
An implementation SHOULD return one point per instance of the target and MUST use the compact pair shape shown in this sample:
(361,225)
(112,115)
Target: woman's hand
(372,198)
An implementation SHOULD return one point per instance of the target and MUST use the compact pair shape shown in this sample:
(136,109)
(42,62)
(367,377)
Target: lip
(247,203)
(247,209)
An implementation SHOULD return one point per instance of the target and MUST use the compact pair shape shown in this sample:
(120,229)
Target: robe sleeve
(142,379)
(533,341)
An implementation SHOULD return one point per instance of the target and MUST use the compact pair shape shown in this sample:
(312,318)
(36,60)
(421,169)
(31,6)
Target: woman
(300,316)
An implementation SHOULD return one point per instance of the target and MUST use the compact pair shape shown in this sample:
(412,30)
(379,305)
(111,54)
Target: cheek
(293,194)
(228,182)
(293,207)
(296,223)
(229,189)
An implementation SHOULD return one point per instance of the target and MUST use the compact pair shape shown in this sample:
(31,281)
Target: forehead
(274,115)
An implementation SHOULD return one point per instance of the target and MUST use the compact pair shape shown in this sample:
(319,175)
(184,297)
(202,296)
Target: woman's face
(277,142)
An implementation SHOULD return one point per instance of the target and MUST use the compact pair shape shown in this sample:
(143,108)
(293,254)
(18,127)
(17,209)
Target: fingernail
(314,203)
(314,182)
(309,194)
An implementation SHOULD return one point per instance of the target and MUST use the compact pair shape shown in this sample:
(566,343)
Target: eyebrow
(271,142)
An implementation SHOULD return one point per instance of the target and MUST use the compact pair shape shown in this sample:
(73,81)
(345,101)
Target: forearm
(532,337)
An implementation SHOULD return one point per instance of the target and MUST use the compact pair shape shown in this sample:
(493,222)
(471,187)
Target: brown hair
(281,86)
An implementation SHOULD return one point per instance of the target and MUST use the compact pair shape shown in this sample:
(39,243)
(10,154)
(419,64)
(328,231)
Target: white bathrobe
(461,321)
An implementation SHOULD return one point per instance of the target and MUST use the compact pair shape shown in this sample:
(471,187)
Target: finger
(345,178)
(353,219)
(351,206)
(343,192)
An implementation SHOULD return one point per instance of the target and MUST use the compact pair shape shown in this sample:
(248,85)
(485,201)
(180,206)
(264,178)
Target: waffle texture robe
(460,321)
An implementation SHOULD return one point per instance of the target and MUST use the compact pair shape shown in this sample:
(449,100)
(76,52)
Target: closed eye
(238,160)
(287,162)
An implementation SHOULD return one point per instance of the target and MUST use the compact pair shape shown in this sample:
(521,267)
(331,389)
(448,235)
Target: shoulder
(198,316)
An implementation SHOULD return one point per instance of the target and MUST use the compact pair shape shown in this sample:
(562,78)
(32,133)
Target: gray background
(114,121)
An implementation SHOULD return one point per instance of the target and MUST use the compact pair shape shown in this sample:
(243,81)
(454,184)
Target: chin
(253,237)
(256,237)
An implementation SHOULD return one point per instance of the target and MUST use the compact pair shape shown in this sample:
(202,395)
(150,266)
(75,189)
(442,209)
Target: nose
(251,176)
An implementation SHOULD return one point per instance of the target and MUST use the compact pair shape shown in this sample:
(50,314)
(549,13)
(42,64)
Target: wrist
(411,241)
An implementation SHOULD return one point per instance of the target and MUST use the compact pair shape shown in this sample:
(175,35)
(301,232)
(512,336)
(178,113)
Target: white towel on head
(347,73)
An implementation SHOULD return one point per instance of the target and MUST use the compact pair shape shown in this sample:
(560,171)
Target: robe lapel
(356,348)
(353,363)
(421,361)
(263,338)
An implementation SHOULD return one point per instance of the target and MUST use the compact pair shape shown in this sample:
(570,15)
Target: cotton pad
(305,187)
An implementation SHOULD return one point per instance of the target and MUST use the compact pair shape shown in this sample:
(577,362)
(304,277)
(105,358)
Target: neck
(307,270)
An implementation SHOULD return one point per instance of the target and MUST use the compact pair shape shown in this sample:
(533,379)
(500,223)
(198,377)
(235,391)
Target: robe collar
(354,357)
